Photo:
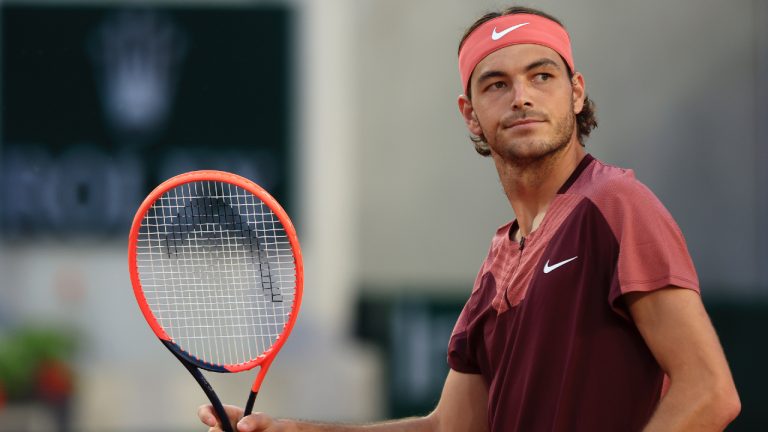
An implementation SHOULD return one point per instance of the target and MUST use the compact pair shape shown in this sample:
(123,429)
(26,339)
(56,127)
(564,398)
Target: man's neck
(532,187)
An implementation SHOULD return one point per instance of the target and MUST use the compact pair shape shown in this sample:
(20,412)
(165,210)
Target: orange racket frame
(191,362)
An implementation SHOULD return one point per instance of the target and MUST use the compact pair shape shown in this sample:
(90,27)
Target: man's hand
(257,422)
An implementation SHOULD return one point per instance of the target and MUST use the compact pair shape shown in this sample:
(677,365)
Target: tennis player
(586,314)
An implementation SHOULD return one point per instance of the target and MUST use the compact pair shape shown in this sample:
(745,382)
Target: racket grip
(249,404)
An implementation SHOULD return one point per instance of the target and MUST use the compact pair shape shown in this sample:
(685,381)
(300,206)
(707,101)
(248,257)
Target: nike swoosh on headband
(498,35)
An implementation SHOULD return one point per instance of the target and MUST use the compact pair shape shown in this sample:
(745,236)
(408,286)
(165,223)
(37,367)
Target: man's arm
(676,328)
(463,405)
(462,408)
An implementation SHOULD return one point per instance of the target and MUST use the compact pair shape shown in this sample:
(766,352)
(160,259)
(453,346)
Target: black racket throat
(205,385)
(249,404)
(208,389)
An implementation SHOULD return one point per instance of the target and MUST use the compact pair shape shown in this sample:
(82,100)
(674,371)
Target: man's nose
(521,96)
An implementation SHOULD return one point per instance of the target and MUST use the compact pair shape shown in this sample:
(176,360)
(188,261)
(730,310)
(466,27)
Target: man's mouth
(523,122)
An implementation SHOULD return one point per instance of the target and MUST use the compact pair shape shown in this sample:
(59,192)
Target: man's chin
(526,149)
(529,152)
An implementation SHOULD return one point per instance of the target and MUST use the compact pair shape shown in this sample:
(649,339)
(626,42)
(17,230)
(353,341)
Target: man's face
(523,102)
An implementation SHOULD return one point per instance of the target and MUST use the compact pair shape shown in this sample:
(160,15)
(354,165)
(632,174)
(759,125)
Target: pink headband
(509,30)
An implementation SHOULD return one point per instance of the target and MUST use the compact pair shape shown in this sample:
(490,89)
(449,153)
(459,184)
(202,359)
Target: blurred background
(346,111)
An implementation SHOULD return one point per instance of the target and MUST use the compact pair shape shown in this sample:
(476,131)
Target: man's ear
(579,92)
(470,118)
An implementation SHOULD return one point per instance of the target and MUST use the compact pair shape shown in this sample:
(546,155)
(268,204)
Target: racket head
(205,235)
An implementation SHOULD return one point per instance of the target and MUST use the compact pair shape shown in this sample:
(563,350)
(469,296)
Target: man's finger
(208,417)
(254,423)
(205,414)
(234,413)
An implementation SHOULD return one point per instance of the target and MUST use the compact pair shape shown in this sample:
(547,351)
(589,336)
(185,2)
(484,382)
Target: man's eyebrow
(542,62)
(490,74)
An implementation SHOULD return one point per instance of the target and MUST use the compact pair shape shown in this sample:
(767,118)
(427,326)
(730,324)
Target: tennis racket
(217,271)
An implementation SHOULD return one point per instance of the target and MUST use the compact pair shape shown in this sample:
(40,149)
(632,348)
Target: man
(586,314)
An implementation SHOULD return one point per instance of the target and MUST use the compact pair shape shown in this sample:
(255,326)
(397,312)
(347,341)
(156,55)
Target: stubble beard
(522,154)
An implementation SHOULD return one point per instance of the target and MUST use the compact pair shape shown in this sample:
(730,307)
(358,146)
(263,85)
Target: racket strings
(217,271)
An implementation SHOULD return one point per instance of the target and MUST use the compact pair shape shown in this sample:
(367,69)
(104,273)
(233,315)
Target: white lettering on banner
(82,190)
(87,190)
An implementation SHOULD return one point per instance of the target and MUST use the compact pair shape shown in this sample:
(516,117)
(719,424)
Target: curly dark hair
(586,120)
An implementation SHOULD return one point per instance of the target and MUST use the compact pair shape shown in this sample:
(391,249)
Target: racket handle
(249,404)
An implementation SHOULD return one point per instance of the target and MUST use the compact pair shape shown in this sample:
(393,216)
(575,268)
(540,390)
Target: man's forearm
(699,410)
(463,407)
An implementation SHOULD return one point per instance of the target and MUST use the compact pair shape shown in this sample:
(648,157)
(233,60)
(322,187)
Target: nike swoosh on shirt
(548,268)
(498,35)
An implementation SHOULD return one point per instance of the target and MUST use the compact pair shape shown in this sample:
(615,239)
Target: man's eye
(497,85)
(542,76)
